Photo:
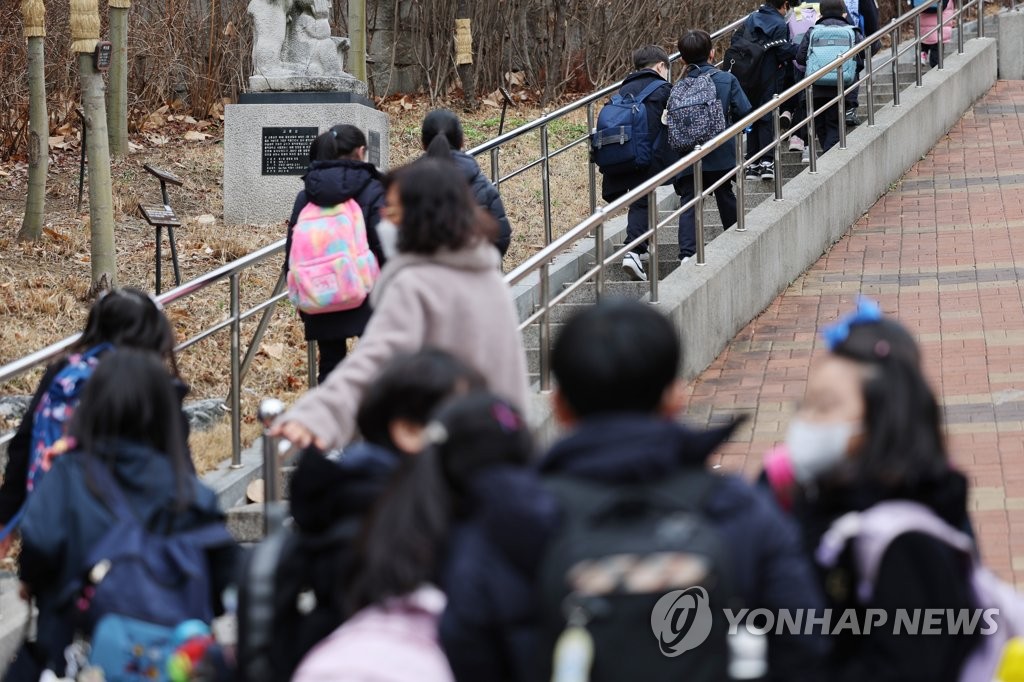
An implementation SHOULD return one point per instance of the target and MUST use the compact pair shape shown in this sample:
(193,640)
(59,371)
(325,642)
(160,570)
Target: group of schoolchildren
(778,44)
(442,545)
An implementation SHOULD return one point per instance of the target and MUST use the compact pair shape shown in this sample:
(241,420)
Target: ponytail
(439,148)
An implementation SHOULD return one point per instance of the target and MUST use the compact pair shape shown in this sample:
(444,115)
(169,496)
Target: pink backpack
(392,642)
(330,265)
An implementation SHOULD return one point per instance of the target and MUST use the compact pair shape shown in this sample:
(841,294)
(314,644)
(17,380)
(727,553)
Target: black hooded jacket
(769,567)
(329,183)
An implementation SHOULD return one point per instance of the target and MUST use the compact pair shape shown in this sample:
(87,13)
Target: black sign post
(161,217)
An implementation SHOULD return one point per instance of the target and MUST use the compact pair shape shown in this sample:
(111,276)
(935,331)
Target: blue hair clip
(867,311)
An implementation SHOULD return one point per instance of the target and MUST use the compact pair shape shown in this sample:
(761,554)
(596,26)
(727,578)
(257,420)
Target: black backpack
(626,563)
(291,598)
(745,59)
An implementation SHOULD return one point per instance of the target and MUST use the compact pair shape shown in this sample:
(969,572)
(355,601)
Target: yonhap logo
(682,620)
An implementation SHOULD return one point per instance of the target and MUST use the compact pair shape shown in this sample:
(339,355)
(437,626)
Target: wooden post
(34,15)
(357,39)
(464,53)
(85,33)
(117,107)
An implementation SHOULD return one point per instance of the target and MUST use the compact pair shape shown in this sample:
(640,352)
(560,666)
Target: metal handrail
(542,124)
(540,262)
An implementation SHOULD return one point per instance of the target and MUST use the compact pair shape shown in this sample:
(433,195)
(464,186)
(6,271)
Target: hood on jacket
(329,183)
(467,164)
(643,74)
(479,256)
(631,448)
(324,491)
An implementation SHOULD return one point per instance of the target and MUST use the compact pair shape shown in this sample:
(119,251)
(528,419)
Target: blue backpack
(826,44)
(622,142)
(854,15)
(139,585)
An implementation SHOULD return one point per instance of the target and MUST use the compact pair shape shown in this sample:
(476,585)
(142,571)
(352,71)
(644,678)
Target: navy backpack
(622,142)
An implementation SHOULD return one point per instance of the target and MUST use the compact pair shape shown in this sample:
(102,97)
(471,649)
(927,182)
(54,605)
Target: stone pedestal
(266,147)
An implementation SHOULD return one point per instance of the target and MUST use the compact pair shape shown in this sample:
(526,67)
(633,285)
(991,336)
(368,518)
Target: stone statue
(293,49)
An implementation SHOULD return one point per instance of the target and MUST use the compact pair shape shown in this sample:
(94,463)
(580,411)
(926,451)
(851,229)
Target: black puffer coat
(487,197)
(329,183)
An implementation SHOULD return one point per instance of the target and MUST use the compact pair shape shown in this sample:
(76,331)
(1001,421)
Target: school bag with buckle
(138,585)
(695,114)
(622,142)
(330,265)
(745,59)
(873,530)
(826,44)
(620,551)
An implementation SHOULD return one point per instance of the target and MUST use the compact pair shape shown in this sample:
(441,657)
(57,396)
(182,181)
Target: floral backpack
(330,265)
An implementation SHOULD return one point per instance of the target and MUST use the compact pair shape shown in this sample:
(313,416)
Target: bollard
(273,509)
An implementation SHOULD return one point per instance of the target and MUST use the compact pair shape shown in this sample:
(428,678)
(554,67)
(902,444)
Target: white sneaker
(805,158)
(685,259)
(633,266)
(796,144)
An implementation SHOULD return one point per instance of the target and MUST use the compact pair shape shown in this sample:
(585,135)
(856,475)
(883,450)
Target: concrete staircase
(618,284)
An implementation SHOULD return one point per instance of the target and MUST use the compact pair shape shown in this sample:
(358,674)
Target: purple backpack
(871,532)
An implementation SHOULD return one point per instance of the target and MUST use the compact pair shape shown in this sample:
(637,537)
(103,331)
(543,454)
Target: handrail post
(939,45)
(960,26)
(869,85)
(311,373)
(894,37)
(273,513)
(545,329)
(777,150)
(698,209)
(591,166)
(599,258)
(918,48)
(495,172)
(235,404)
(546,183)
(741,191)
(841,106)
(981,18)
(653,218)
(813,153)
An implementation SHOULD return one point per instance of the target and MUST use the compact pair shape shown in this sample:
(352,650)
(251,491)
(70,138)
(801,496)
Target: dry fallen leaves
(195,136)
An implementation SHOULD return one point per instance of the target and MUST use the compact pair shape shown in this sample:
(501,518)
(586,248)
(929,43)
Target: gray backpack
(694,112)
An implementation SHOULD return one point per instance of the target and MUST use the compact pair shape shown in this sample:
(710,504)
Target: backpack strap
(649,90)
(874,529)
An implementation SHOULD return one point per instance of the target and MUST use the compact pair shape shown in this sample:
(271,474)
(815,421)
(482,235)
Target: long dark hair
(130,398)
(405,534)
(442,123)
(438,211)
(339,142)
(904,443)
(129,318)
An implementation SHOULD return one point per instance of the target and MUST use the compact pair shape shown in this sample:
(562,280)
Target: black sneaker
(767,171)
(786,120)
(851,118)
(753,171)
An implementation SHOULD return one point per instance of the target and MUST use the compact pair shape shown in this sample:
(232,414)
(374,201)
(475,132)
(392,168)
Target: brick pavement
(938,252)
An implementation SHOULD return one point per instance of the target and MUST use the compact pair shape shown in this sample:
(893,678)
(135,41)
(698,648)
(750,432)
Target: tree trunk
(464,54)
(101,206)
(117,110)
(357,38)
(38,143)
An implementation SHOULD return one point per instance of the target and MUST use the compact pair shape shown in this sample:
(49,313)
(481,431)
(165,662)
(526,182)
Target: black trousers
(332,352)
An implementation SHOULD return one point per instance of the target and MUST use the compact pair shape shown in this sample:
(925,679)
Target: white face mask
(387,233)
(816,448)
